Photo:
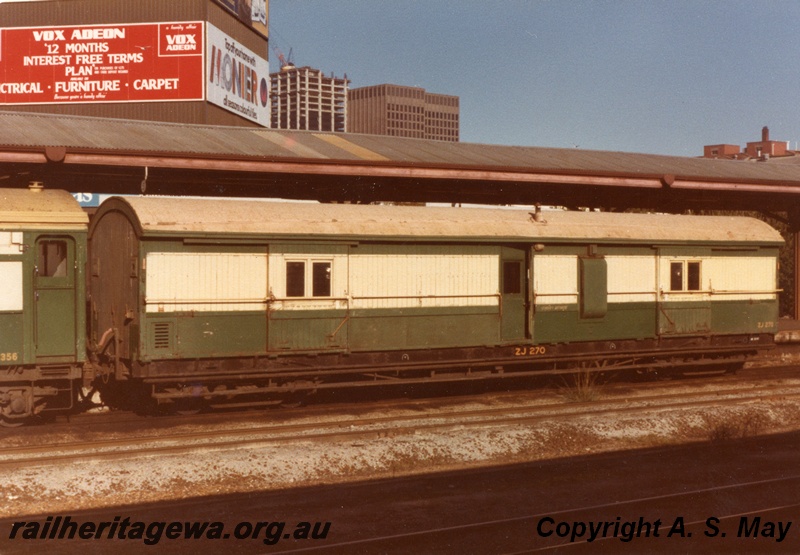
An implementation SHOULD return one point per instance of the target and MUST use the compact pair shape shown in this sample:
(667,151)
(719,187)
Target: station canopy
(123,156)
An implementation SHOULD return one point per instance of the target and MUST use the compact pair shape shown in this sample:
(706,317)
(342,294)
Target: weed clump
(734,425)
(582,387)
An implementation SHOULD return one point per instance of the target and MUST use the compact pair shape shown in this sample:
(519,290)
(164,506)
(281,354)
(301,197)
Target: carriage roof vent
(537,216)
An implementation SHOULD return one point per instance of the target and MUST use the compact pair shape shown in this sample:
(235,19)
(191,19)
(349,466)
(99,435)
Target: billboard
(236,78)
(147,62)
(253,13)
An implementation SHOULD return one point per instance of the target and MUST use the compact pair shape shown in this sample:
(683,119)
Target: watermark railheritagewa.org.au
(150,533)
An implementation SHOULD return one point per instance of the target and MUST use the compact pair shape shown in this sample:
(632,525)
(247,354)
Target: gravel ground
(210,471)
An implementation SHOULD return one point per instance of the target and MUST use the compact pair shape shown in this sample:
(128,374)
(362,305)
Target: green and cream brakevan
(204,300)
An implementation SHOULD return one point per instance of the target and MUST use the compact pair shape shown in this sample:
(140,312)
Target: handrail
(373,298)
(206,301)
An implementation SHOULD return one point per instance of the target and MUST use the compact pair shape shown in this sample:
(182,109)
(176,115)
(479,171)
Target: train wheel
(6,422)
(188,407)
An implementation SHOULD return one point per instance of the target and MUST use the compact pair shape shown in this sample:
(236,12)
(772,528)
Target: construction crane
(286,61)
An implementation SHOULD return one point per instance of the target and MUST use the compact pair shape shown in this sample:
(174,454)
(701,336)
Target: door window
(512,284)
(52,260)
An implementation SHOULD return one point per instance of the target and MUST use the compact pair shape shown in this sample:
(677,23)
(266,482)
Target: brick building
(756,150)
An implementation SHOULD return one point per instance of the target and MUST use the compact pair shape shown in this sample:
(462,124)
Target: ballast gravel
(210,470)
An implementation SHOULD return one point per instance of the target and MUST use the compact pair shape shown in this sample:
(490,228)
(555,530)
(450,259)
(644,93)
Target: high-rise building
(400,111)
(303,98)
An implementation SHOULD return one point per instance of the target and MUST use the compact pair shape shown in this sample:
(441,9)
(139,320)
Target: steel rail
(365,428)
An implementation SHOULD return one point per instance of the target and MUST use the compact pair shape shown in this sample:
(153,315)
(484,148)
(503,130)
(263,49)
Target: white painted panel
(555,279)
(206,282)
(11,280)
(631,279)
(10,242)
(726,278)
(740,278)
(424,276)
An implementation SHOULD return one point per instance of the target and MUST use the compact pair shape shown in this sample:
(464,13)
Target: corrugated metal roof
(39,207)
(125,137)
(191,217)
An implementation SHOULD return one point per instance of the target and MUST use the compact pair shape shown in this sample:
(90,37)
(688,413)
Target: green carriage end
(42,307)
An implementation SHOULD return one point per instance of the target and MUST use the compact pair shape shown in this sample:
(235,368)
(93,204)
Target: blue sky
(636,76)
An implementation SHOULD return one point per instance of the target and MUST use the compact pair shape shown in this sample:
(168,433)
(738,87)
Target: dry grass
(582,387)
(729,426)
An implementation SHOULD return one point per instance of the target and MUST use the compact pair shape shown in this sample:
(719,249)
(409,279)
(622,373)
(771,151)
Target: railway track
(405,421)
(322,405)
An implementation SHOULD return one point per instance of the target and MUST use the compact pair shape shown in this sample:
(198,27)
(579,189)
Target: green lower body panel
(563,323)
(12,340)
(204,335)
(308,330)
(744,317)
(684,318)
(420,328)
(211,335)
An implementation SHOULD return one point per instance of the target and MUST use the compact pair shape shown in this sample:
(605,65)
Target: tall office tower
(400,111)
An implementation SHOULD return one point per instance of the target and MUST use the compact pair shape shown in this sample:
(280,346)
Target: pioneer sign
(237,78)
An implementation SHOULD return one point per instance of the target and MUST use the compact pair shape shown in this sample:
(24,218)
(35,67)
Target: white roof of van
(192,217)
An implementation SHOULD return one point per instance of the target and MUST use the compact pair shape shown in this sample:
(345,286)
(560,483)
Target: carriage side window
(52,259)
(295,279)
(315,274)
(676,276)
(693,276)
(321,279)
